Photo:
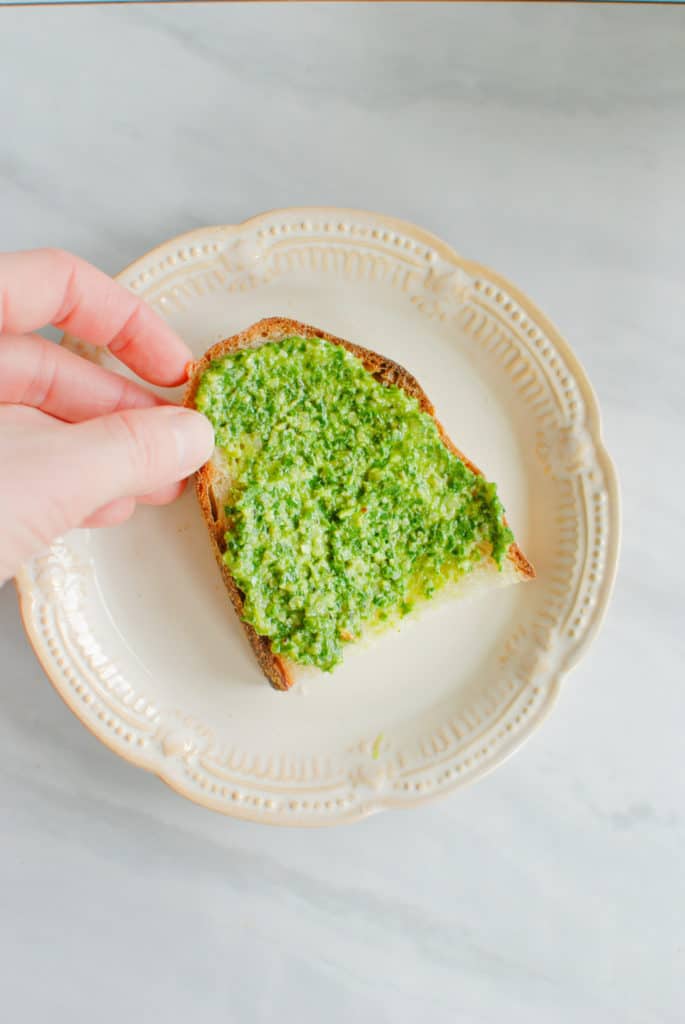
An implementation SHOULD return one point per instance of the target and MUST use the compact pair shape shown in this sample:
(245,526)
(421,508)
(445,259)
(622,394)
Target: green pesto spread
(346,507)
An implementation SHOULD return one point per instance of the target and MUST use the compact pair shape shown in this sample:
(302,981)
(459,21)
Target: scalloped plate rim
(594,422)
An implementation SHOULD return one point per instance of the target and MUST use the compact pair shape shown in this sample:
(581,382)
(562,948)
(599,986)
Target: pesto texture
(346,508)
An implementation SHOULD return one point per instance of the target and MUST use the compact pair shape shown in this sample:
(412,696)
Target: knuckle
(58,257)
(126,334)
(131,432)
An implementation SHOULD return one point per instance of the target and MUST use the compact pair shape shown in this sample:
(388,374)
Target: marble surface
(548,142)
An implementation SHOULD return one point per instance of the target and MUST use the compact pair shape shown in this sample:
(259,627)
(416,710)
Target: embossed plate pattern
(132,625)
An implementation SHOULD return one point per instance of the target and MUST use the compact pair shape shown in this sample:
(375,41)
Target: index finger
(49,286)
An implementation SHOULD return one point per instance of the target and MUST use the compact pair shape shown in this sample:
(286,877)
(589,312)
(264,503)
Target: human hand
(79,445)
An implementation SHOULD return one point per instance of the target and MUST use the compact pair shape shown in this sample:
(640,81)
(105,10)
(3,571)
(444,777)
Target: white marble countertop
(549,143)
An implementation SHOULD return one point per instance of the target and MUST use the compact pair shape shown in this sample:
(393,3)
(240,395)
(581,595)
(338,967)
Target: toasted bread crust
(386,371)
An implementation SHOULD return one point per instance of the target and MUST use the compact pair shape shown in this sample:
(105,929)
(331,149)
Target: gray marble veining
(548,142)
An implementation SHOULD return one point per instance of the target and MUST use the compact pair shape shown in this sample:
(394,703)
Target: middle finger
(38,373)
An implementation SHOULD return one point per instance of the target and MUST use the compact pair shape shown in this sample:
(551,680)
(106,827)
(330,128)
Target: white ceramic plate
(132,624)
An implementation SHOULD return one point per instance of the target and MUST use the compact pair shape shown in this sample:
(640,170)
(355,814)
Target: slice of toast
(213,484)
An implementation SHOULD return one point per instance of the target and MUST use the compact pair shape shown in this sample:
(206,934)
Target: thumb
(132,452)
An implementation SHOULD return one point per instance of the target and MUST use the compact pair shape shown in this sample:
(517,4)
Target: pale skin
(80,445)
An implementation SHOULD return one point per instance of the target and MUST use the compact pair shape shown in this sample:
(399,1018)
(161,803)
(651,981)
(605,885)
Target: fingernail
(194,439)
